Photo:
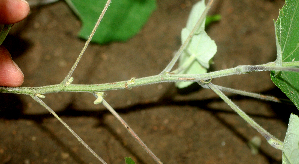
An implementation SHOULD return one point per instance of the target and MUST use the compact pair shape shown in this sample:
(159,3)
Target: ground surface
(179,127)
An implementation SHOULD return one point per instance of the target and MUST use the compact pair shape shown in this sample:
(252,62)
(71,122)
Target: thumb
(12,11)
(10,74)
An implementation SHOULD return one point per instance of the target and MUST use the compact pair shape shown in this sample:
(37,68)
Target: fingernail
(17,67)
(25,1)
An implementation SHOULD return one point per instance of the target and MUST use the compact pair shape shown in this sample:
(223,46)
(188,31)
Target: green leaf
(196,58)
(123,19)
(129,160)
(4,29)
(290,151)
(287,33)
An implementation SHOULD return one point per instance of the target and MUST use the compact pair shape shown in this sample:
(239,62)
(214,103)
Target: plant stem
(64,82)
(185,44)
(248,94)
(278,60)
(274,142)
(68,128)
(284,64)
(130,130)
(185,65)
(168,77)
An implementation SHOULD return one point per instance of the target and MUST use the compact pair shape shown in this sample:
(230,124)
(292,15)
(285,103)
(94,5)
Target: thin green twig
(274,142)
(243,69)
(68,128)
(69,75)
(185,44)
(130,130)
(248,94)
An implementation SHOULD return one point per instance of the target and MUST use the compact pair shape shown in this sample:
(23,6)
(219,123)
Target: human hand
(11,11)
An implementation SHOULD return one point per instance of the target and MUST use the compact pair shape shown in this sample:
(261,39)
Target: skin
(12,11)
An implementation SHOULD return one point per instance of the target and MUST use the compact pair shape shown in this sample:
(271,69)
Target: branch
(160,78)
(274,142)
(245,93)
(69,75)
(185,44)
(123,122)
(36,98)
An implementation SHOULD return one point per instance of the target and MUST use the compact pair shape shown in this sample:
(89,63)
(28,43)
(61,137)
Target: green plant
(164,76)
